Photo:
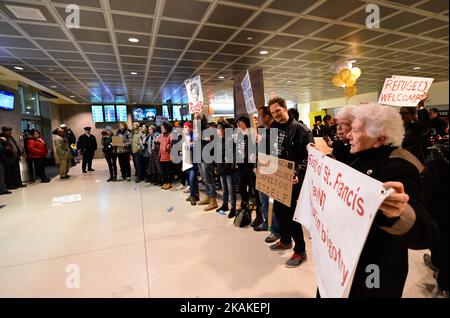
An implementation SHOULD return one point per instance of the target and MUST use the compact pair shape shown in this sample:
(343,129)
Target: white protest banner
(404,91)
(337,205)
(248,94)
(195,94)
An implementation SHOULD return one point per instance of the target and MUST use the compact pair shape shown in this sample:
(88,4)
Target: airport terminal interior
(92,92)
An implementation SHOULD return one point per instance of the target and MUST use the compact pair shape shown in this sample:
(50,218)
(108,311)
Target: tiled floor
(135,240)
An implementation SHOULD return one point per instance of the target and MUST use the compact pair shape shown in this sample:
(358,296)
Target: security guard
(87,144)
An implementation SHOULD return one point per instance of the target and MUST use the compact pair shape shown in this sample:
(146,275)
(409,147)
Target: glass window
(29,100)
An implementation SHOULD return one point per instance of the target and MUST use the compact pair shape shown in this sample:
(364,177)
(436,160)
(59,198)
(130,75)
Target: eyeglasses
(343,126)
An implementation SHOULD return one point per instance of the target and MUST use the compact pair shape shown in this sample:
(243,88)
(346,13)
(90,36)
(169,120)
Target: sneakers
(180,187)
(137,180)
(278,246)
(128,178)
(272,238)
(223,208)
(121,179)
(296,259)
(257,222)
(187,190)
(262,227)
(232,213)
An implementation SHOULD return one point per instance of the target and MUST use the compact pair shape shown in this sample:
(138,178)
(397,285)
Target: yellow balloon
(351,91)
(345,74)
(351,81)
(336,80)
(356,71)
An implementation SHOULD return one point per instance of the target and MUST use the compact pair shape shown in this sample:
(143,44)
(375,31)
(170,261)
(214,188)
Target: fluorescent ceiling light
(26,13)
(133,73)
(133,40)
(263,52)
(417,68)
(221,77)
(18,68)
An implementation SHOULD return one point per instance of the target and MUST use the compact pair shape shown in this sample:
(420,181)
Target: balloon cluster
(346,77)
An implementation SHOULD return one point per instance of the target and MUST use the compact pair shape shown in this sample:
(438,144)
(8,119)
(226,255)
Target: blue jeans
(207,173)
(192,179)
(228,190)
(264,198)
(137,165)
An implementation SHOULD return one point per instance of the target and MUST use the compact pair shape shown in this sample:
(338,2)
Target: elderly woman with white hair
(341,147)
(402,222)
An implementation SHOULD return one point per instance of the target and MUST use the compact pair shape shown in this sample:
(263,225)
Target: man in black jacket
(292,140)
(87,144)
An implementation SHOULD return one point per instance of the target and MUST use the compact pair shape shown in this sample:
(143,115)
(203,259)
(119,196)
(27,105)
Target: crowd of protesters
(406,149)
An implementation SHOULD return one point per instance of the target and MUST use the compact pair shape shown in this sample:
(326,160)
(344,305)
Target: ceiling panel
(297,51)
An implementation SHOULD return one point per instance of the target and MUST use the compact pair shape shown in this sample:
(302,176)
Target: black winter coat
(87,143)
(388,251)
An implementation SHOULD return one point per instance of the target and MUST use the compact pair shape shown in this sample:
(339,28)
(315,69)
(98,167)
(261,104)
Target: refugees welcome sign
(337,205)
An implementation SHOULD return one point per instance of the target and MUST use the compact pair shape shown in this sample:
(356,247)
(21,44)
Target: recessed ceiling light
(133,73)
(289,82)
(263,52)
(417,68)
(18,68)
(221,77)
(50,69)
(53,86)
(249,38)
(28,107)
(72,96)
(133,40)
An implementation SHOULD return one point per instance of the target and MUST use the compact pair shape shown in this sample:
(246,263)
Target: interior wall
(12,118)
(76,117)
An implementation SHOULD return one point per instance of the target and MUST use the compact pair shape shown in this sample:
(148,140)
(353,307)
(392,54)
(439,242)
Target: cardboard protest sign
(274,176)
(248,94)
(117,141)
(337,204)
(195,94)
(257,84)
(404,91)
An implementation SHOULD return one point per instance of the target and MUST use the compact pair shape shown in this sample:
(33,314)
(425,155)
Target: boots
(258,220)
(244,206)
(212,204)
(232,213)
(192,199)
(205,201)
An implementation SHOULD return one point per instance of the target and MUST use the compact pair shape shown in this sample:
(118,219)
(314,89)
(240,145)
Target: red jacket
(37,148)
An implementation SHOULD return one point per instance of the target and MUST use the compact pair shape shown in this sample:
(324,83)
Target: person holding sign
(402,222)
(292,140)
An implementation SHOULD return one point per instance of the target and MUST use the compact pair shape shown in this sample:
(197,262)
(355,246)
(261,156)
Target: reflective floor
(135,240)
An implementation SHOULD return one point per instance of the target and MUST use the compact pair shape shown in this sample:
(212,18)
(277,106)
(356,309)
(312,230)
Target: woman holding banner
(402,222)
